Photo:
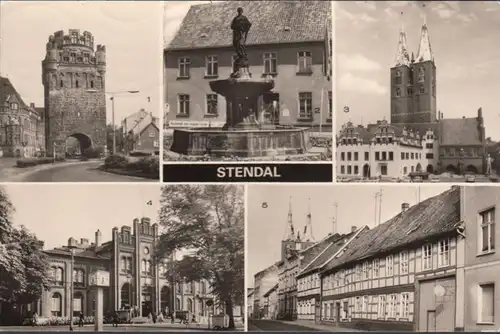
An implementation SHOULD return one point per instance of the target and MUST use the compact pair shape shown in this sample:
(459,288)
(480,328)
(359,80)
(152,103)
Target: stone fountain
(245,134)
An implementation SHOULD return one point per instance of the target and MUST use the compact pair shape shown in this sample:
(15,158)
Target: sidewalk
(319,327)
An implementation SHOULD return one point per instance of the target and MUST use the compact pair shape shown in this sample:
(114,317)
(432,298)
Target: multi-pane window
(212,104)
(403,260)
(270,63)
(366,271)
(212,66)
(305,62)
(389,266)
(486,303)
(58,275)
(405,306)
(184,104)
(358,305)
(364,307)
(358,273)
(184,67)
(305,105)
(375,268)
(392,306)
(78,277)
(55,307)
(14,106)
(421,74)
(381,307)
(427,257)
(444,253)
(487,225)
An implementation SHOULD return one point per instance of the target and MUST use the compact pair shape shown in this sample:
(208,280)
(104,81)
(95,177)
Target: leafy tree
(23,267)
(209,220)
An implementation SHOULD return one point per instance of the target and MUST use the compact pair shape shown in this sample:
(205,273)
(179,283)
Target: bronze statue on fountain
(240,90)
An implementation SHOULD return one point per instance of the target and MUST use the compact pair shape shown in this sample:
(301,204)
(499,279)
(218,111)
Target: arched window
(398,92)
(77,85)
(56,305)
(190,305)
(61,84)
(125,294)
(59,278)
(91,84)
(421,74)
(177,304)
(77,304)
(193,287)
(79,277)
(422,89)
(144,265)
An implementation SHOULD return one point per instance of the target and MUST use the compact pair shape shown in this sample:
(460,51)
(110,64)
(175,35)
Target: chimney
(405,207)
(353,229)
(98,238)
(72,242)
(84,242)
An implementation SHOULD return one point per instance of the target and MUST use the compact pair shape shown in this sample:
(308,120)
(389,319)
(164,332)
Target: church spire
(424,48)
(402,55)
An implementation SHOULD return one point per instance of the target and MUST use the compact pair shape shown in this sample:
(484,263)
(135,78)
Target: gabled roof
(131,121)
(273,22)
(274,288)
(328,252)
(460,131)
(430,218)
(7,90)
(143,123)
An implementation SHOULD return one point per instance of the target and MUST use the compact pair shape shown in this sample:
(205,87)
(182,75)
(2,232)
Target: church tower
(424,69)
(401,83)
(73,76)
(413,82)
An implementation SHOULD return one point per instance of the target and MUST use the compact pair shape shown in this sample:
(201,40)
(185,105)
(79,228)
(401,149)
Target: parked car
(470,178)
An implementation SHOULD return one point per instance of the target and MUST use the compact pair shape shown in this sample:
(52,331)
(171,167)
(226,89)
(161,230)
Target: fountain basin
(244,143)
(240,88)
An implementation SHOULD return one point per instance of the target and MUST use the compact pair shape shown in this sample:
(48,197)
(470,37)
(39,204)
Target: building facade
(384,150)
(454,145)
(271,303)
(136,281)
(21,125)
(200,52)
(309,279)
(73,76)
(407,279)
(250,303)
(482,263)
(264,280)
(143,136)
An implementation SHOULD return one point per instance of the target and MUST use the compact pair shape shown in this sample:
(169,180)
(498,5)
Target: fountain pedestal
(242,135)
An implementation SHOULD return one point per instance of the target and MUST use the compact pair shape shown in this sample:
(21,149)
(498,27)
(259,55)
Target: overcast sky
(356,206)
(131,31)
(56,212)
(464,40)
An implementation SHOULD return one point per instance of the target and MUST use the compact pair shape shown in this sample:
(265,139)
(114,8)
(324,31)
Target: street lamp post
(112,98)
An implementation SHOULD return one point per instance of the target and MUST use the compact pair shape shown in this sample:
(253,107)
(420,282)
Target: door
(337,312)
(272,107)
(318,311)
(431,321)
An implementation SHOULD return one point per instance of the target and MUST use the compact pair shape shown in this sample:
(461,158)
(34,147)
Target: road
(90,328)
(270,325)
(73,172)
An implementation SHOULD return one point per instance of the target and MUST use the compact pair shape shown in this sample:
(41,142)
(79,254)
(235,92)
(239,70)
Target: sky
(464,40)
(132,33)
(56,212)
(266,226)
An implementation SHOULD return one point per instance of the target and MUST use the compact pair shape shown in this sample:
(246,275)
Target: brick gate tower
(73,75)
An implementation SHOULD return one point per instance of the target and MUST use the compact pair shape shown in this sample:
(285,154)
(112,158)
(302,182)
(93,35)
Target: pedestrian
(80,322)
(172,317)
(153,317)
(34,320)
(115,319)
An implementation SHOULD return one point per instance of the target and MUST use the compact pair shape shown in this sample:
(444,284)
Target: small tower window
(398,92)
(92,84)
(61,84)
(77,85)
(398,78)
(422,89)
(410,91)
(421,75)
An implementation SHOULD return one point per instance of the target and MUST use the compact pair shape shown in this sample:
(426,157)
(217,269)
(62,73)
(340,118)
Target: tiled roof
(131,121)
(273,22)
(89,254)
(460,131)
(143,123)
(313,251)
(432,217)
(331,248)
(7,89)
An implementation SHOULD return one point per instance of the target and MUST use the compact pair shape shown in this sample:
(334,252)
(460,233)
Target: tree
(23,267)
(209,220)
